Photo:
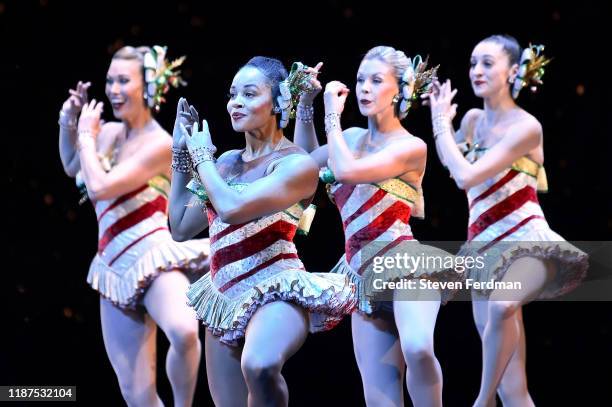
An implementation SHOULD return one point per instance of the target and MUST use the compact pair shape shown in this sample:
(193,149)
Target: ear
(513,72)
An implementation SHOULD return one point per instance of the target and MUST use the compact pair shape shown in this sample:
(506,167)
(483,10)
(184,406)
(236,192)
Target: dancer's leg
(275,332)
(166,301)
(129,339)
(379,358)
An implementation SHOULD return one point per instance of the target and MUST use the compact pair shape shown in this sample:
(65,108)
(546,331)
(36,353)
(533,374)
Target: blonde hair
(131,53)
(394,58)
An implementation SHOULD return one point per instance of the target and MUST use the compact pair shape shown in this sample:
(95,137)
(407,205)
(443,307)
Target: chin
(238,127)
(118,114)
(365,111)
(481,93)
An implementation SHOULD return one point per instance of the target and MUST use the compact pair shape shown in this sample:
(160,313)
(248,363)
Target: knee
(258,369)
(135,395)
(501,310)
(183,337)
(512,390)
(417,350)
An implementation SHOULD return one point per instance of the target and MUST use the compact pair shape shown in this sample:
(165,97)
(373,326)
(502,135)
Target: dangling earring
(396,98)
(510,80)
(276,110)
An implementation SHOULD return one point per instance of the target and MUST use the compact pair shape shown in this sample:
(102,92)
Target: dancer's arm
(293,179)
(68,128)
(126,176)
(465,132)
(305,134)
(186,216)
(519,140)
(396,158)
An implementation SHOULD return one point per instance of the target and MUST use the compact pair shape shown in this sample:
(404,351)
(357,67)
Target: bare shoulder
(228,155)
(531,121)
(353,135)
(354,132)
(527,125)
(299,163)
(470,117)
(158,140)
(108,134)
(406,141)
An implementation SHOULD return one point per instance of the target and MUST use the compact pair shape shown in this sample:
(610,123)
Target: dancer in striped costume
(374,178)
(257,301)
(501,172)
(140,272)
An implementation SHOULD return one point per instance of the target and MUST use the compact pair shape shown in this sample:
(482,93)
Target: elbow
(71,169)
(343,176)
(71,172)
(231,216)
(179,235)
(464,181)
(99,194)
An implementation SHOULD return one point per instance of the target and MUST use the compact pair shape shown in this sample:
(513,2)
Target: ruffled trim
(327,297)
(367,305)
(124,288)
(364,304)
(572,264)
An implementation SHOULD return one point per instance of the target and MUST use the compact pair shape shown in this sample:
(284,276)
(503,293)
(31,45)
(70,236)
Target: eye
(249,94)
(231,95)
(472,64)
(109,81)
(123,81)
(377,80)
(359,80)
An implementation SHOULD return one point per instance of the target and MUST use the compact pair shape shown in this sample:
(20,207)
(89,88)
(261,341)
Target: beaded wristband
(332,122)
(181,160)
(305,113)
(201,154)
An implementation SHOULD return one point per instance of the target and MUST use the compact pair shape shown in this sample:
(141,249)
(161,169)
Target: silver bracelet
(441,124)
(305,113)
(84,134)
(181,160)
(201,154)
(66,121)
(332,122)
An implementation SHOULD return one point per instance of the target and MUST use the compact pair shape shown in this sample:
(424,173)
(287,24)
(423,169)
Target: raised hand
(186,116)
(335,96)
(440,100)
(77,99)
(308,97)
(90,119)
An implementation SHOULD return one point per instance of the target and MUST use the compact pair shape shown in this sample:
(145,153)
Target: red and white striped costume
(505,209)
(256,262)
(134,244)
(376,219)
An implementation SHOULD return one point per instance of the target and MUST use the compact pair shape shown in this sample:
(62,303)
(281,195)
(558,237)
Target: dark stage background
(50,333)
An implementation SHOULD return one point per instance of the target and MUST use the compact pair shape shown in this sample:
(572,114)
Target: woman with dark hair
(139,270)
(257,301)
(501,172)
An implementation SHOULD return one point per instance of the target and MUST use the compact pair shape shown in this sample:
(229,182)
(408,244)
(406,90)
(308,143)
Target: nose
(365,87)
(236,103)
(115,88)
(477,69)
